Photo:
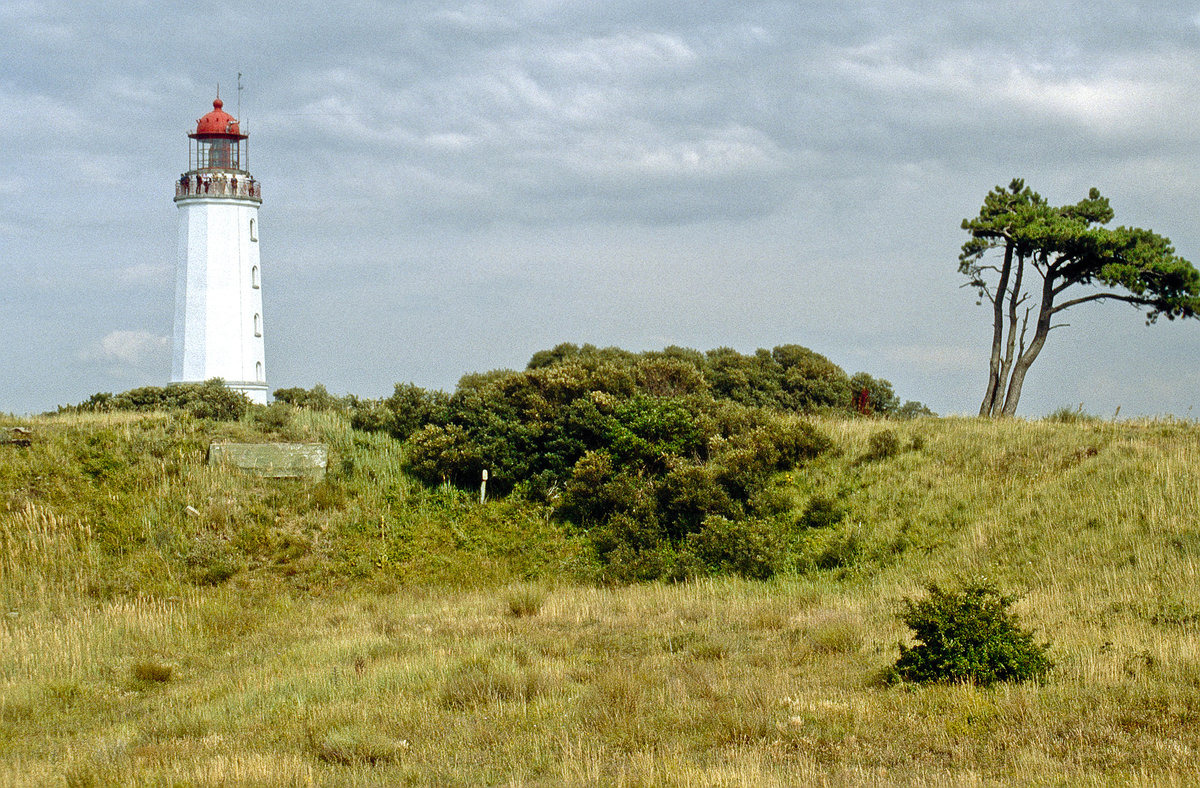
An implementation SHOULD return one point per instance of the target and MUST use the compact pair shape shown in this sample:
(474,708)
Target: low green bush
(822,512)
(968,634)
(882,445)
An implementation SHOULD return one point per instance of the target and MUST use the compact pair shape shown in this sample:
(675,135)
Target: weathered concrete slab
(273,460)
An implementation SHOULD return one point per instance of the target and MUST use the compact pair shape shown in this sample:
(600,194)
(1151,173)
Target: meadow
(164,622)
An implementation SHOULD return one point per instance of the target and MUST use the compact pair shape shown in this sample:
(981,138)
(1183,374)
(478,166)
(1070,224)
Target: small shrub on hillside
(968,634)
(750,548)
(210,562)
(882,445)
(273,418)
(822,512)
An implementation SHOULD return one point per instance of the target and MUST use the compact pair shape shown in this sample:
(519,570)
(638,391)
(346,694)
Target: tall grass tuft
(525,600)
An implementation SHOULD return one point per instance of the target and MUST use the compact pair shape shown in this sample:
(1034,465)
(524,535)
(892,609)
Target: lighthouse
(218,286)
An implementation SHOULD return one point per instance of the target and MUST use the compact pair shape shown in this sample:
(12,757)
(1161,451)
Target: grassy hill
(165,622)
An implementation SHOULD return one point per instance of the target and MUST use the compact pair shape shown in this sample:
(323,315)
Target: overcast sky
(450,187)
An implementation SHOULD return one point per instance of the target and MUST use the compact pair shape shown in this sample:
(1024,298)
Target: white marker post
(483,487)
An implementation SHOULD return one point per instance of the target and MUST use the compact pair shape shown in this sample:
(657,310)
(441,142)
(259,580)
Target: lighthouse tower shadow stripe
(218,287)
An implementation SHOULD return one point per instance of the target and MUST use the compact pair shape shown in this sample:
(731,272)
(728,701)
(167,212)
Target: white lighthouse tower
(218,295)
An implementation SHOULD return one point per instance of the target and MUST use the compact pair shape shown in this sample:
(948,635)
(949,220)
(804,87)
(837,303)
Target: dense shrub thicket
(662,459)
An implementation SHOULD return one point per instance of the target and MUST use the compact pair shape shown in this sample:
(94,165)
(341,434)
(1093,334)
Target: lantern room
(218,142)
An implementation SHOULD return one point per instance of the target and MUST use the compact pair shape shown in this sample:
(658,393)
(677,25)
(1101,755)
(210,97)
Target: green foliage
(208,400)
(647,430)
(839,552)
(882,445)
(822,512)
(317,398)
(636,450)
(274,417)
(690,493)
(913,410)
(443,454)
(750,548)
(873,396)
(968,634)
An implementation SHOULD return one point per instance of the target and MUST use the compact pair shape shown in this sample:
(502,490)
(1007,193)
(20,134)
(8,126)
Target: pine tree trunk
(1030,354)
(991,400)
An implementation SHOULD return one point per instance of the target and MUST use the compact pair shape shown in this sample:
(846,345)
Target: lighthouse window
(258,325)
(254,272)
(253,231)
(258,371)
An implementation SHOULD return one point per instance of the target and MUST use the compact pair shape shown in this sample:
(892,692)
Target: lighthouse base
(255,392)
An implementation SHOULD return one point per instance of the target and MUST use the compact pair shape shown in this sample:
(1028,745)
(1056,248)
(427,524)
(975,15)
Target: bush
(968,635)
(914,410)
(273,418)
(822,512)
(440,454)
(750,548)
(687,495)
(881,446)
(635,450)
(316,398)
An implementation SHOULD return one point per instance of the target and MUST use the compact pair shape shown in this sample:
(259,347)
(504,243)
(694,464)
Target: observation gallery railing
(218,184)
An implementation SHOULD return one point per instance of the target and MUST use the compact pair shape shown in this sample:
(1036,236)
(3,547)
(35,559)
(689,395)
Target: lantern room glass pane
(218,154)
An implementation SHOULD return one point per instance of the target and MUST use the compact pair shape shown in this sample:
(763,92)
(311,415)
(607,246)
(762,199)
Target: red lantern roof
(218,123)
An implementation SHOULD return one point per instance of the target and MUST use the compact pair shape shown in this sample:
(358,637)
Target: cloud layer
(448,188)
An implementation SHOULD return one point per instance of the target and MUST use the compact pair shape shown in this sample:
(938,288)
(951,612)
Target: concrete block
(273,460)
